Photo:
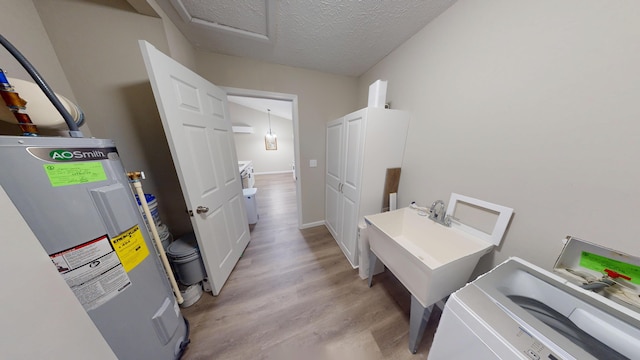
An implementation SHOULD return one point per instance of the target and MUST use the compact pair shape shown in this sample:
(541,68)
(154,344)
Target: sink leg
(417,323)
(373,259)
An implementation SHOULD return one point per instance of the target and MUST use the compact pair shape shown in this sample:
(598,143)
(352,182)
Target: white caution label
(93,271)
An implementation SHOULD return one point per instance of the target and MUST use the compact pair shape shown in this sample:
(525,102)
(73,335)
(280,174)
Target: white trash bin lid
(249,191)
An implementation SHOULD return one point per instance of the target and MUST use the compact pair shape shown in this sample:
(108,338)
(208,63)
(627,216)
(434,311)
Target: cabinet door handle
(340,187)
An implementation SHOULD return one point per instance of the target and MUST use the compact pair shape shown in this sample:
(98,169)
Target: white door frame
(296,136)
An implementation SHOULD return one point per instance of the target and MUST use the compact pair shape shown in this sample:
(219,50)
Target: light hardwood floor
(293,295)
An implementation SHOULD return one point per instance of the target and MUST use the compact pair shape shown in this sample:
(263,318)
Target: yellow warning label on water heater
(75,173)
(130,247)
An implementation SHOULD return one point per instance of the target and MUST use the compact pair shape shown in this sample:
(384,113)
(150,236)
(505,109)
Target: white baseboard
(310,225)
(273,172)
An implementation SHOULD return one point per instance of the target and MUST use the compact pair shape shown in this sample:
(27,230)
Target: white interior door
(196,121)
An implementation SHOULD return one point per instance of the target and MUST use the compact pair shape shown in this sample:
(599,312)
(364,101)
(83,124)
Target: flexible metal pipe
(74,131)
(137,184)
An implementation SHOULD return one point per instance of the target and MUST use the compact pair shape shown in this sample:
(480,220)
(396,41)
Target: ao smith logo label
(71,154)
(66,155)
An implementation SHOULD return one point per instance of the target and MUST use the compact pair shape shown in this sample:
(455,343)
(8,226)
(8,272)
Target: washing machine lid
(524,291)
(588,264)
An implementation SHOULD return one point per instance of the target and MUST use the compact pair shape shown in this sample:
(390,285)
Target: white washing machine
(520,311)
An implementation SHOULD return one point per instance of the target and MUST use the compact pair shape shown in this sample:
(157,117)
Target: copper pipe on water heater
(74,131)
(17,105)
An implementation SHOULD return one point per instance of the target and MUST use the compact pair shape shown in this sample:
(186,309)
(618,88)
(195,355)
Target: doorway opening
(276,112)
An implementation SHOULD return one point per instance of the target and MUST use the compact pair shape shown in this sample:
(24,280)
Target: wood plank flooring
(293,295)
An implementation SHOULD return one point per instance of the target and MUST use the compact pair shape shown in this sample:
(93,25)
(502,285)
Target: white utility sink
(431,260)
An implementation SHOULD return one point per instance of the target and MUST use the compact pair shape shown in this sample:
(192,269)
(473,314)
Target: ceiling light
(270,139)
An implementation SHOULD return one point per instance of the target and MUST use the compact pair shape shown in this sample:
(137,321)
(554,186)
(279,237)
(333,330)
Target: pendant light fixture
(270,139)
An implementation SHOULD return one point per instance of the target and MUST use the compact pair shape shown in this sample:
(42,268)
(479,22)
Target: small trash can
(185,259)
(250,204)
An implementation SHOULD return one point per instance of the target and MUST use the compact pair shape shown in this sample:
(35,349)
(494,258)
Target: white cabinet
(360,148)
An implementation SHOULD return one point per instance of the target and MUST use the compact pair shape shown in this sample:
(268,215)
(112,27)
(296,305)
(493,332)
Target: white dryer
(520,311)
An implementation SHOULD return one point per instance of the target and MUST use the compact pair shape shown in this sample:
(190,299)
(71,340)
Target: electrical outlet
(313,163)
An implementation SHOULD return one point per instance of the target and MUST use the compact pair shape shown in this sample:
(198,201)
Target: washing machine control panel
(532,347)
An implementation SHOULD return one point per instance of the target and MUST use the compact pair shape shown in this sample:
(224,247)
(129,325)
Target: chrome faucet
(437,213)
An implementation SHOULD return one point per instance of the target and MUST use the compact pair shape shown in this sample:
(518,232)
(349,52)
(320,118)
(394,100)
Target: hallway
(293,295)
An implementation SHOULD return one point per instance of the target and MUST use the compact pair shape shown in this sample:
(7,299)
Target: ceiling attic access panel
(248,18)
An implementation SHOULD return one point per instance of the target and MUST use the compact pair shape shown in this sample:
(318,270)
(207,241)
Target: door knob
(202,209)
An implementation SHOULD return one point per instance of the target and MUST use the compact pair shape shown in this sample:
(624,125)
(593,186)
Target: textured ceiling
(343,37)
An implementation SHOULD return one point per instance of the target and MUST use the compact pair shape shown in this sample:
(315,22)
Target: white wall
(252,147)
(528,104)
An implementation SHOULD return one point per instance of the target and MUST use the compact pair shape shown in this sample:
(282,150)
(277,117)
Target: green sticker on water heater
(64,174)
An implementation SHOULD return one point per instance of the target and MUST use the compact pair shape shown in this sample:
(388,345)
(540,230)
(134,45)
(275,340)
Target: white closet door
(352,170)
(334,158)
